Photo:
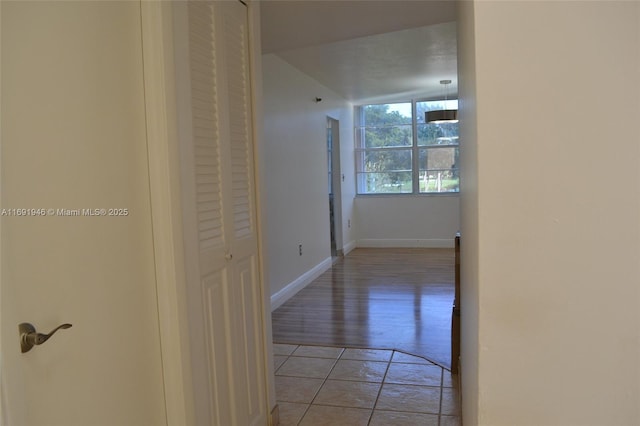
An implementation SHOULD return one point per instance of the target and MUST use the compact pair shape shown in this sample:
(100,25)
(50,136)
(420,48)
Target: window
(397,152)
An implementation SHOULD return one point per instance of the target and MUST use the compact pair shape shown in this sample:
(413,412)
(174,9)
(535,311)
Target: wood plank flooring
(397,299)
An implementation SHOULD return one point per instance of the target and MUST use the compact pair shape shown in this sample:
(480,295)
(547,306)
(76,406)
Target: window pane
(386,114)
(432,133)
(392,160)
(437,134)
(384,171)
(438,158)
(439,170)
(384,183)
(380,137)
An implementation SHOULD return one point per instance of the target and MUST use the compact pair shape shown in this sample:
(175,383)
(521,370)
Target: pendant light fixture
(442,115)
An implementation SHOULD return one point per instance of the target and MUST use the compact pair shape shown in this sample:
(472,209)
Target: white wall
(469,212)
(550,213)
(407,221)
(294,169)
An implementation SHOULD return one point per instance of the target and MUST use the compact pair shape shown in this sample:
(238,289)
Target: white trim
(348,248)
(4,403)
(407,243)
(255,60)
(164,188)
(299,283)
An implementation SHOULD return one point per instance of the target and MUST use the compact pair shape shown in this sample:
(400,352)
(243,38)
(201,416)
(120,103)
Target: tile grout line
(384,377)
(282,364)
(275,373)
(323,382)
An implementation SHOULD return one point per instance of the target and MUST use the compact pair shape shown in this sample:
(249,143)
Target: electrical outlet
(300,249)
(349,223)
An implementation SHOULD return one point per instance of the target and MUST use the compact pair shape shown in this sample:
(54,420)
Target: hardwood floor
(376,298)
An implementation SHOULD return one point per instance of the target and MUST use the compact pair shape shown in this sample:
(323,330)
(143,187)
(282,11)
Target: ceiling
(366,50)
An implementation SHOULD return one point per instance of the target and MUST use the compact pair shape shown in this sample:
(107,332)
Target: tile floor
(318,385)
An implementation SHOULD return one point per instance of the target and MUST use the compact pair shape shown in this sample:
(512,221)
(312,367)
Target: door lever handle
(29,337)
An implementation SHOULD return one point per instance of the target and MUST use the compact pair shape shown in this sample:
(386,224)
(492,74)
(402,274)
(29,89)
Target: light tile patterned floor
(318,385)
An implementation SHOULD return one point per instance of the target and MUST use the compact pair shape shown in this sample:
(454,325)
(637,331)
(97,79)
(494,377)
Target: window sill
(409,195)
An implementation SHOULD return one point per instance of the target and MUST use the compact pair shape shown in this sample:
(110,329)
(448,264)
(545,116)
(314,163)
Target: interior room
(400,53)
(312,72)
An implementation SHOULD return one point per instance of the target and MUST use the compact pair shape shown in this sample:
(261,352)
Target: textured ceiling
(366,50)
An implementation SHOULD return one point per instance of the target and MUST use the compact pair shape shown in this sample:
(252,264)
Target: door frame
(4,417)
(333,126)
(164,188)
(166,207)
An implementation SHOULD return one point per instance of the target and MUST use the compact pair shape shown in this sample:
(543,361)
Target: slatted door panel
(229,310)
(237,100)
(206,136)
(245,290)
(203,169)
(239,124)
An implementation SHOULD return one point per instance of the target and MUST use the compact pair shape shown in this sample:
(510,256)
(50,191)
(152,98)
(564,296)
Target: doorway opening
(334,180)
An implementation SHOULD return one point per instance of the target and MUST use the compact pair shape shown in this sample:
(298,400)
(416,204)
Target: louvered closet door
(214,109)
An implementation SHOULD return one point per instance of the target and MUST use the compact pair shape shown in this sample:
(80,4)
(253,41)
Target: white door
(219,212)
(73,138)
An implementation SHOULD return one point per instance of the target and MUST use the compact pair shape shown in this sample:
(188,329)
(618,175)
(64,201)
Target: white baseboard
(349,247)
(299,283)
(407,243)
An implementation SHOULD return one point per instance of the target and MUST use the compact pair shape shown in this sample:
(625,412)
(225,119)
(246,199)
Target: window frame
(360,151)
